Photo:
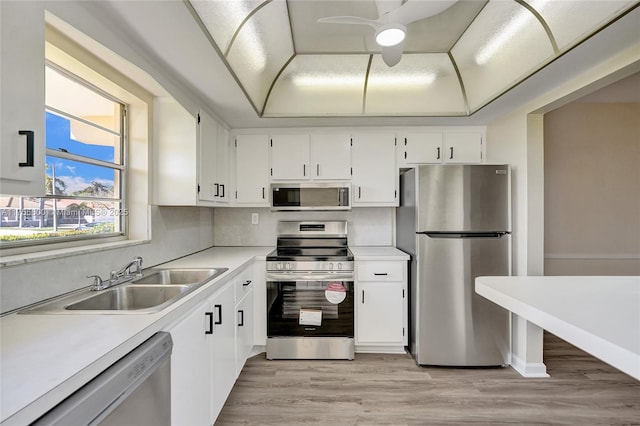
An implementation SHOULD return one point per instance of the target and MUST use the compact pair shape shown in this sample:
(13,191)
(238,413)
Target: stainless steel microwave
(310,196)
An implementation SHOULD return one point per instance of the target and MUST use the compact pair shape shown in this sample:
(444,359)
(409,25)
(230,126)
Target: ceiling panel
(259,52)
(421,84)
(320,85)
(465,57)
(569,31)
(503,45)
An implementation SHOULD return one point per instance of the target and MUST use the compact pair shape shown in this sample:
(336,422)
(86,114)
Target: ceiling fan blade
(386,6)
(349,20)
(415,10)
(391,55)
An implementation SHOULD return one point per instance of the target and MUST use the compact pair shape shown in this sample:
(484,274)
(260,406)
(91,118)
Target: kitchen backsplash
(366,226)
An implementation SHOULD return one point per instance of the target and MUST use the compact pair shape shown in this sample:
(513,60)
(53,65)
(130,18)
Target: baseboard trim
(529,369)
(373,349)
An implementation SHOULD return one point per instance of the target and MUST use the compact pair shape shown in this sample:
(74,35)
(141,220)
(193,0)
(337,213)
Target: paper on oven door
(310,316)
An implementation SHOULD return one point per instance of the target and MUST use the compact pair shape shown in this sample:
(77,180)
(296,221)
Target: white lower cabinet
(210,347)
(244,329)
(244,317)
(191,369)
(223,353)
(381,306)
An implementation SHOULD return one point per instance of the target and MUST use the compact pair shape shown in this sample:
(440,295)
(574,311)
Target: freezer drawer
(453,325)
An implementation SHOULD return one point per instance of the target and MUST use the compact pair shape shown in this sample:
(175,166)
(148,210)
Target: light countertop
(600,315)
(375,253)
(45,358)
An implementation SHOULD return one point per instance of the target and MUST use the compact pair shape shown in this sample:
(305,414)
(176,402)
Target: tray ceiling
(454,63)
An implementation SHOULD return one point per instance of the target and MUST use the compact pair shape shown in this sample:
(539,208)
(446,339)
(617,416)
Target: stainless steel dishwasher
(136,390)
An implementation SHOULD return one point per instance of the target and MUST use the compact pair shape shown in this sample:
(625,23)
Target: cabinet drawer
(243,283)
(380,271)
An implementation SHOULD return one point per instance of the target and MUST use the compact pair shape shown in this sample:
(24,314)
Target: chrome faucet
(128,272)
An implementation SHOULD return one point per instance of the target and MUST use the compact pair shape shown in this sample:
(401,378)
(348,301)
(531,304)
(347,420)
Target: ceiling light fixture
(390,34)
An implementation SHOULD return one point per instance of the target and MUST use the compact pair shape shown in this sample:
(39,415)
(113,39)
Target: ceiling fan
(393,17)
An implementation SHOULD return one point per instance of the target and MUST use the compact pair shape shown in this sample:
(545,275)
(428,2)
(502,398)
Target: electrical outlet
(255,219)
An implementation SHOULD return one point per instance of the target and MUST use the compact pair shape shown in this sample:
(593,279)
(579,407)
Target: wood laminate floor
(377,389)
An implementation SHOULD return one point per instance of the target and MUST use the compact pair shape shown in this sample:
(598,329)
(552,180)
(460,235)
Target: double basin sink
(154,291)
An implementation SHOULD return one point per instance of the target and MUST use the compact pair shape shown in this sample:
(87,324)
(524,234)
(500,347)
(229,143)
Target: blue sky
(75,175)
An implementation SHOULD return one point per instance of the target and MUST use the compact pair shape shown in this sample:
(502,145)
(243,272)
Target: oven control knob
(339,265)
(330,266)
(279,265)
(287,265)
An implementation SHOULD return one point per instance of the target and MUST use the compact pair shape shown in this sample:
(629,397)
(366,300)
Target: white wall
(592,188)
(517,138)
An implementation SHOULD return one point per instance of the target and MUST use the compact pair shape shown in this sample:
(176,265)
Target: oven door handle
(308,276)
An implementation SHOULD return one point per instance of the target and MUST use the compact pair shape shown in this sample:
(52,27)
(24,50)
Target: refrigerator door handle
(440,234)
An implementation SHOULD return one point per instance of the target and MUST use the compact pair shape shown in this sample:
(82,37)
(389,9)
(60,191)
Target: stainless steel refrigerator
(454,221)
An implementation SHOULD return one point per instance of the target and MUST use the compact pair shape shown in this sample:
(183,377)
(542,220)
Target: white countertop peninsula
(600,315)
(45,358)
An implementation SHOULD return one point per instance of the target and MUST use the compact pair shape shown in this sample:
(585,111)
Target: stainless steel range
(310,284)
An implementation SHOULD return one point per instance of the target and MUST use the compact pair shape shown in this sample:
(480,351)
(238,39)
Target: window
(85,168)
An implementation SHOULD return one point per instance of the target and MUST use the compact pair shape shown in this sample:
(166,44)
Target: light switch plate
(255,219)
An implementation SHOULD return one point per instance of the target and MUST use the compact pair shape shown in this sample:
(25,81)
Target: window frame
(114,78)
(120,164)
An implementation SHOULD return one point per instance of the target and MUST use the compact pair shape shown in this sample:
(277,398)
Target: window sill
(27,258)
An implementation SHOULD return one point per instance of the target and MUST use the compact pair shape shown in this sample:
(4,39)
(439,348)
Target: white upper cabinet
(22,98)
(252,170)
(213,140)
(304,157)
(224,171)
(375,177)
(421,148)
(330,156)
(290,157)
(209,187)
(444,145)
(463,147)
(189,157)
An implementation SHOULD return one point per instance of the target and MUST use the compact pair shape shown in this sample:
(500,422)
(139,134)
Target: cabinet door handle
(304,170)
(380,273)
(317,169)
(405,155)
(438,156)
(241,312)
(359,192)
(246,283)
(219,309)
(30,146)
(222,186)
(451,155)
(210,316)
(263,192)
(217,194)
(363,297)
